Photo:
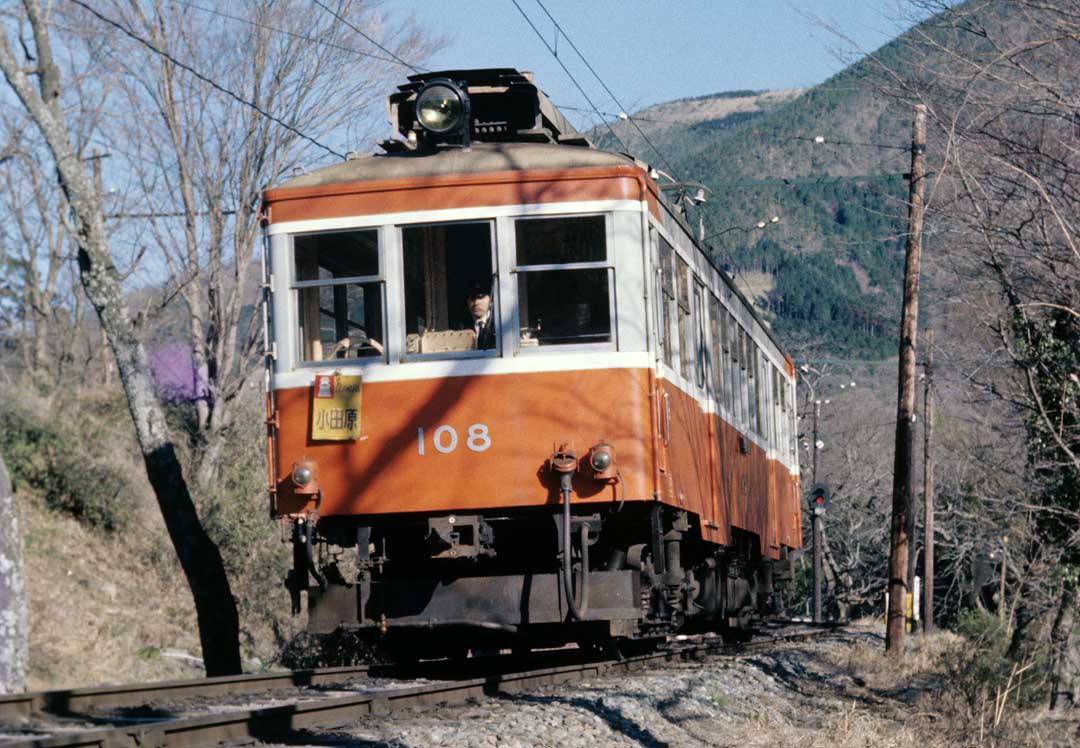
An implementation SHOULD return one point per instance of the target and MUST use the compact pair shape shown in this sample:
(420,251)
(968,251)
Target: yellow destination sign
(335,412)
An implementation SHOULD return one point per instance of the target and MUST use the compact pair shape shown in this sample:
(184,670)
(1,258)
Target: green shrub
(984,666)
(58,452)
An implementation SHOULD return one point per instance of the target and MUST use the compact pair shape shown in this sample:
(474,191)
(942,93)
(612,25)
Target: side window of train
(793,422)
(700,338)
(753,388)
(450,295)
(778,411)
(734,381)
(686,329)
(729,356)
(340,295)
(717,325)
(564,281)
(666,300)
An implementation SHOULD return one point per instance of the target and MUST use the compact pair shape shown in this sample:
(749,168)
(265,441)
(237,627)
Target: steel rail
(274,723)
(87,699)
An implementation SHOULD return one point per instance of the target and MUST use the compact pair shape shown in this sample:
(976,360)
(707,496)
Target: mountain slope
(828,274)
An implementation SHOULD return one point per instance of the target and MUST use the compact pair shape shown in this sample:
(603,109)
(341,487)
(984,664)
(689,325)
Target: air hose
(311,558)
(577,612)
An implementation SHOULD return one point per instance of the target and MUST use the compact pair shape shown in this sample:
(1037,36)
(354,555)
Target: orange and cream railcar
(619,460)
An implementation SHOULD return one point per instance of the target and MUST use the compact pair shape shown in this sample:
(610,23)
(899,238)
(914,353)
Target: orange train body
(384,471)
(611,332)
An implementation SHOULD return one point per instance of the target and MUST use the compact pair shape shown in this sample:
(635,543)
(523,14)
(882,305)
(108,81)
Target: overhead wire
(663,158)
(633,120)
(353,26)
(570,75)
(625,115)
(204,78)
(821,140)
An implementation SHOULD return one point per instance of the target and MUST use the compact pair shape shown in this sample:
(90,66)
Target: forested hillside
(833,263)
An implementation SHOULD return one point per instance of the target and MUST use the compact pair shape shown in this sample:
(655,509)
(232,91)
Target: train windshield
(564,280)
(450,293)
(340,295)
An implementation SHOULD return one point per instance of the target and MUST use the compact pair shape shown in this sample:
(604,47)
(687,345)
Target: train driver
(481,321)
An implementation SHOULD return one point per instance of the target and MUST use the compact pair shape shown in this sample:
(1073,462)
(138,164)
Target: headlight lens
(601,461)
(302,475)
(440,108)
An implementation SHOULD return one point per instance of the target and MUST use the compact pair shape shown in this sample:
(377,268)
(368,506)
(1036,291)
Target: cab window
(564,281)
(450,289)
(340,295)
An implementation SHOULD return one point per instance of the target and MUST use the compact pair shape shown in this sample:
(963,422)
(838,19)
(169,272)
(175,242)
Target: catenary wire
(826,141)
(205,79)
(619,115)
(667,162)
(663,158)
(352,26)
(568,73)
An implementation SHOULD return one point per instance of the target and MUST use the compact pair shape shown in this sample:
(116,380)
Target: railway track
(81,718)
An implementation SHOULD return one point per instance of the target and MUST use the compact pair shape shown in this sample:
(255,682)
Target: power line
(633,121)
(205,79)
(352,26)
(812,180)
(566,70)
(286,32)
(821,140)
(624,115)
(603,85)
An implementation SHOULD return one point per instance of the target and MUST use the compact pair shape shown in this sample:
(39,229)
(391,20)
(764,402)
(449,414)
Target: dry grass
(115,608)
(99,612)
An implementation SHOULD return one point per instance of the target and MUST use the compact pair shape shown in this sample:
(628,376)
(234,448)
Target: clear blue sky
(649,51)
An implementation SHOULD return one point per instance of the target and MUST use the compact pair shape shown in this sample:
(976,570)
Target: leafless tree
(212,108)
(1002,83)
(198,159)
(38,85)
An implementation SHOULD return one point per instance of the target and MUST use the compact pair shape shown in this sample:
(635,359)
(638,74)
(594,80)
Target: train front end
(502,389)
(444,321)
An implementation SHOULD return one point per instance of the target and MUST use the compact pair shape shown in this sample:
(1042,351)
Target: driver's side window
(340,295)
(450,293)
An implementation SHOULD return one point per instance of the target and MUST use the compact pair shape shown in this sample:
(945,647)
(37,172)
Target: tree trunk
(1065,652)
(219,629)
(13,630)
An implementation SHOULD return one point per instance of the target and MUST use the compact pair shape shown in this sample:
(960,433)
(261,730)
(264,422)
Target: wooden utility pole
(815,522)
(903,489)
(928,487)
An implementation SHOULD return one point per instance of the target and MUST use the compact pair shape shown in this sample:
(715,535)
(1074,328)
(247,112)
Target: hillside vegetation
(836,257)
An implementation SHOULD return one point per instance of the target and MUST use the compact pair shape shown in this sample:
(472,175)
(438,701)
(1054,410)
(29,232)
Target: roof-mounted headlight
(442,107)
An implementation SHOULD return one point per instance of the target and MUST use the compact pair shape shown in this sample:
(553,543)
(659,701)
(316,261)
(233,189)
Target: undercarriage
(536,577)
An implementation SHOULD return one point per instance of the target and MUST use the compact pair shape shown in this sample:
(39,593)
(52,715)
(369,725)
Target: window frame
(295,287)
(496,296)
(516,271)
(684,318)
(717,379)
(666,300)
(701,333)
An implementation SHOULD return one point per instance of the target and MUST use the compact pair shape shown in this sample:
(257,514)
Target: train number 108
(445,439)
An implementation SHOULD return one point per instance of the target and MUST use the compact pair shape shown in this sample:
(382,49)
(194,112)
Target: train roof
(480,158)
